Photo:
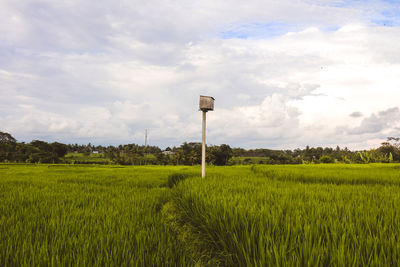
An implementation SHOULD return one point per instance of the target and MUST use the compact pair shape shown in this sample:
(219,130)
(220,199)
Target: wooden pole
(203,147)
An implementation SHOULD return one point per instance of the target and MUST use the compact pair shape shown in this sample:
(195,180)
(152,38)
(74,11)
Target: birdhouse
(206,103)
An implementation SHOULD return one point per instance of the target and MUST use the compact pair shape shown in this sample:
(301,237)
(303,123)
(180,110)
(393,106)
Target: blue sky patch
(379,13)
(259,30)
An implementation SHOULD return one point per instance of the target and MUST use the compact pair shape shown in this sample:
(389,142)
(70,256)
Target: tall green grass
(352,174)
(288,218)
(313,215)
(85,216)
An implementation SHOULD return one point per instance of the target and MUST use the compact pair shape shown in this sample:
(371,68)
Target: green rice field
(259,215)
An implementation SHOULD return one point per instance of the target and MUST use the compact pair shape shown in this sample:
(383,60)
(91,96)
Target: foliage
(6,138)
(219,155)
(175,178)
(35,152)
(326,159)
(306,215)
(392,146)
(374,156)
(60,215)
(187,154)
(281,215)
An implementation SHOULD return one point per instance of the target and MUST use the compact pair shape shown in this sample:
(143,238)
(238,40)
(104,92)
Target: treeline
(133,154)
(187,154)
(34,152)
(388,152)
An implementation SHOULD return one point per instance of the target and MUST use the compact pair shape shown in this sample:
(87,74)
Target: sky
(284,73)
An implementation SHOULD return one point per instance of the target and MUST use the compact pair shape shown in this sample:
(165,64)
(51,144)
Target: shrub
(326,159)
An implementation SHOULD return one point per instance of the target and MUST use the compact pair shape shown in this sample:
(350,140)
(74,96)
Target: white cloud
(270,120)
(375,123)
(104,72)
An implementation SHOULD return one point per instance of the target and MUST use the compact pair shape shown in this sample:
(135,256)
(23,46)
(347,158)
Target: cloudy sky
(284,73)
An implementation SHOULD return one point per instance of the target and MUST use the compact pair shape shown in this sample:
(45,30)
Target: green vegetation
(320,215)
(186,154)
(258,215)
(34,152)
(62,215)
(86,158)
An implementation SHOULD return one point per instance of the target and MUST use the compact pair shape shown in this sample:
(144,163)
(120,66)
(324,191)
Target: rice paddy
(260,215)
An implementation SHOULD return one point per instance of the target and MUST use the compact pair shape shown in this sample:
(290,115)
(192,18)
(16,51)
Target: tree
(44,146)
(47,153)
(188,153)
(220,155)
(59,149)
(392,146)
(7,147)
(394,140)
(6,138)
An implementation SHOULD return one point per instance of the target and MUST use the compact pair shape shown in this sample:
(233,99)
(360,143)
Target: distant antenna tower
(145,138)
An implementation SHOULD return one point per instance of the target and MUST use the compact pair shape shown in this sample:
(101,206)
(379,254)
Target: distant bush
(326,159)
